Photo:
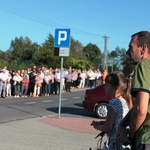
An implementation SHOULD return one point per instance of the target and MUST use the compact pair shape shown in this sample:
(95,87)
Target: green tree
(3,59)
(35,55)
(76,46)
(20,48)
(93,54)
(113,61)
(118,60)
(47,53)
(75,54)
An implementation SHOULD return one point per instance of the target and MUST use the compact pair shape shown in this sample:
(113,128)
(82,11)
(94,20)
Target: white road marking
(64,99)
(76,97)
(28,103)
(47,101)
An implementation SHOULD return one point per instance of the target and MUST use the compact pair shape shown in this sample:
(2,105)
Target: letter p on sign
(62,38)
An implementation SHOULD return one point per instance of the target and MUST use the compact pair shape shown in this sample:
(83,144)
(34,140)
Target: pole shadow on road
(73,111)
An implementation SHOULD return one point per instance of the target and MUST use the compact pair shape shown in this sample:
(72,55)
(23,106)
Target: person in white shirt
(82,79)
(74,78)
(98,77)
(47,80)
(17,84)
(68,78)
(91,77)
(8,88)
(57,80)
(3,83)
(63,79)
(38,84)
(7,72)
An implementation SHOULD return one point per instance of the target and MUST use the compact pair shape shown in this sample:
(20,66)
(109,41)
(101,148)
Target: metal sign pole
(59,110)
(61,48)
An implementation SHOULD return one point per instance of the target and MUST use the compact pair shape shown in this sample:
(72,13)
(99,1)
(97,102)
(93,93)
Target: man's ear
(142,52)
(143,49)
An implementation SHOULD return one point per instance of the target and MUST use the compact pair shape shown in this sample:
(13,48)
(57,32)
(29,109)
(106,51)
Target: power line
(32,17)
(6,7)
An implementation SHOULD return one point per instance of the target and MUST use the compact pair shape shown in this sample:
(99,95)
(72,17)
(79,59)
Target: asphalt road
(12,109)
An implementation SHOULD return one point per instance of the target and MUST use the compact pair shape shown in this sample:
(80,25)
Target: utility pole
(105,61)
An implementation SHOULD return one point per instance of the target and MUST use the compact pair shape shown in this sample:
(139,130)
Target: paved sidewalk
(48,133)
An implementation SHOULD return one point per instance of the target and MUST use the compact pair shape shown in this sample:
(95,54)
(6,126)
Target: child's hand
(93,122)
(97,124)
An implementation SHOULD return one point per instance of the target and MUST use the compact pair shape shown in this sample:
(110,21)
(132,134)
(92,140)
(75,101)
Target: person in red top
(25,84)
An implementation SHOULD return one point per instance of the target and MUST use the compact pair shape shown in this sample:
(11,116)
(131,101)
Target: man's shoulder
(145,61)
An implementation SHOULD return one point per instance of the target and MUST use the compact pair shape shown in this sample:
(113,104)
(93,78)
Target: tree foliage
(118,60)
(93,54)
(24,53)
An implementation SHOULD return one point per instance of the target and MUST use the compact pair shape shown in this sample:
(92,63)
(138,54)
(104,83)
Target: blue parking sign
(62,38)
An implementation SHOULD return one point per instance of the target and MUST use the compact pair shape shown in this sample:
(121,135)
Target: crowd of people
(36,82)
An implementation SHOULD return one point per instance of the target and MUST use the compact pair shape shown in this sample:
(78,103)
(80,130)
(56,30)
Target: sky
(88,20)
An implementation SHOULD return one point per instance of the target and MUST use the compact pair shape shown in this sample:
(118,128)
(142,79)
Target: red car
(96,100)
